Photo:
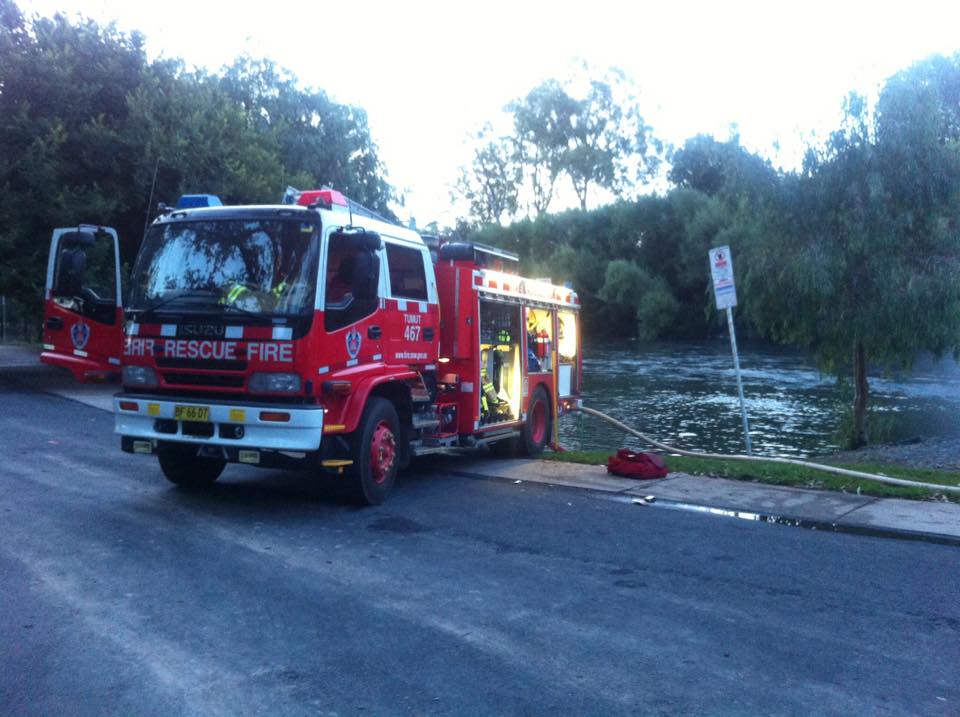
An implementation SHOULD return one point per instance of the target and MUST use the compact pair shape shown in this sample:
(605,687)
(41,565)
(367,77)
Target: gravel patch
(938,453)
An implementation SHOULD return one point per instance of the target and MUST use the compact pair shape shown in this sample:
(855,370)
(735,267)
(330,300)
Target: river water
(685,394)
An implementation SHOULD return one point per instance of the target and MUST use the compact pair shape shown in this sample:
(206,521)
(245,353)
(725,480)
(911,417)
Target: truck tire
(376,452)
(183,467)
(539,424)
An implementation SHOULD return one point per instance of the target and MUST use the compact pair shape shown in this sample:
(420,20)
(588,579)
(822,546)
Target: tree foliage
(854,258)
(491,183)
(86,122)
(859,263)
(596,138)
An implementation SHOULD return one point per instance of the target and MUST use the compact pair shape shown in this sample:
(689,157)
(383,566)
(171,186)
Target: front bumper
(154,420)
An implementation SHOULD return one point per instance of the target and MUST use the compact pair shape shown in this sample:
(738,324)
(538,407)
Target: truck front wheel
(183,467)
(376,452)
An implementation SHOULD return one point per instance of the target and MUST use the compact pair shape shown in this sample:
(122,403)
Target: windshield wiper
(185,294)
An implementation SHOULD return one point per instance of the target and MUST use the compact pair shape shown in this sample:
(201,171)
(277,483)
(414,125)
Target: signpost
(725,292)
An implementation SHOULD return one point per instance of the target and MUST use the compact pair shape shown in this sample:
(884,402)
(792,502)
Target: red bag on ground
(633,464)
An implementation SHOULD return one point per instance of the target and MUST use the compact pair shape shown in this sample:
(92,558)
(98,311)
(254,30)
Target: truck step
(425,420)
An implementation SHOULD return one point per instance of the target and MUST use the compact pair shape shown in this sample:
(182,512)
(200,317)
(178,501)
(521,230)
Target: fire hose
(774,459)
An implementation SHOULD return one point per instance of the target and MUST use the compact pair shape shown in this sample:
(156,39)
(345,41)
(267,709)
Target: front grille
(212,380)
(201,364)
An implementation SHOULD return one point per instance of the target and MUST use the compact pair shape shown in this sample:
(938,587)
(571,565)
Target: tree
(648,297)
(608,138)
(598,138)
(64,153)
(543,125)
(721,168)
(492,181)
(858,262)
(317,141)
(86,122)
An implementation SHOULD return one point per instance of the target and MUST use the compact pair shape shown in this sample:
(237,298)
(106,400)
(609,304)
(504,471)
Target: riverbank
(797,476)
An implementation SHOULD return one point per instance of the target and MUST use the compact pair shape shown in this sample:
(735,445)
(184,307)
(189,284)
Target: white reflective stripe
(466,386)
(323,369)
(353,362)
(423,307)
(114,361)
(282,333)
(377,357)
(168,330)
(49,347)
(476,425)
(133,329)
(233,332)
(401,304)
(81,354)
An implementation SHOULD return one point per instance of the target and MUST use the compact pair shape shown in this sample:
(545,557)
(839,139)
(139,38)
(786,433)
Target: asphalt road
(120,594)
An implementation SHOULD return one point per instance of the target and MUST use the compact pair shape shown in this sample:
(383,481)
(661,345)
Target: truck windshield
(265,267)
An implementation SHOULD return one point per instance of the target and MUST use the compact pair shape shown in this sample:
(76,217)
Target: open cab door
(83,312)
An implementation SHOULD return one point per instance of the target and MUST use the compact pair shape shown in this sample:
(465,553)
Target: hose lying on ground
(791,461)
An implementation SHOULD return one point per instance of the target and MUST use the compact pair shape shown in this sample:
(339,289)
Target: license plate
(192,413)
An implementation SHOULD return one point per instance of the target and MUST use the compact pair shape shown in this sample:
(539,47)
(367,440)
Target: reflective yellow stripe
(235,293)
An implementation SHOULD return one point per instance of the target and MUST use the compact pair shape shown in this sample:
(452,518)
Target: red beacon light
(329,198)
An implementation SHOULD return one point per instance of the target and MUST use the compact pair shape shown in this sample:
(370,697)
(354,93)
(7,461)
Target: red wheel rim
(538,422)
(383,452)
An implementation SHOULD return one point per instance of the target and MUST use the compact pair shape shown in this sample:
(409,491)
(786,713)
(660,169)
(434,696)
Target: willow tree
(859,261)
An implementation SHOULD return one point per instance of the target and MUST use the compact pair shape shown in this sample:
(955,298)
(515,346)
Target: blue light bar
(189,201)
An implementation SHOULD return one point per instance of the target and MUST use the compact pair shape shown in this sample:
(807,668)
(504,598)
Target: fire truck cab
(319,335)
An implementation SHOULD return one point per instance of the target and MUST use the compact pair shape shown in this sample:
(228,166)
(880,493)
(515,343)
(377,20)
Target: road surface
(272,595)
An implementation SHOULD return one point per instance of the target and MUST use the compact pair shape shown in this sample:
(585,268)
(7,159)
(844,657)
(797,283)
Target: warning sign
(721,269)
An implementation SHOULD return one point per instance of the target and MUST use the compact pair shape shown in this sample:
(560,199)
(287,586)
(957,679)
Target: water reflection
(685,393)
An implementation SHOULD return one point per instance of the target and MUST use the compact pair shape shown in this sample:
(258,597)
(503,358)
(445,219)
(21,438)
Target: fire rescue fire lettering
(270,352)
(215,350)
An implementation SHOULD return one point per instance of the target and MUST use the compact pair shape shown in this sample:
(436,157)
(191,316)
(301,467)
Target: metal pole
(736,366)
(146,220)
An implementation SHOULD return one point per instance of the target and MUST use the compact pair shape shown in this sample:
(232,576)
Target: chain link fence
(19,321)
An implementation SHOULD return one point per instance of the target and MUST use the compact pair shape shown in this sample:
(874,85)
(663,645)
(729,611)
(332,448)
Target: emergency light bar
(497,282)
(328,198)
(332,199)
(190,201)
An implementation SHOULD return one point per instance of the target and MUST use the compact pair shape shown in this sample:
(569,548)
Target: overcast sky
(430,73)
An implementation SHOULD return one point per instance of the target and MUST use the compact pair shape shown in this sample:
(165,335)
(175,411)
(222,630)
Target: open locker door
(83,312)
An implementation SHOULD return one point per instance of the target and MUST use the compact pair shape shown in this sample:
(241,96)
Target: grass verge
(790,475)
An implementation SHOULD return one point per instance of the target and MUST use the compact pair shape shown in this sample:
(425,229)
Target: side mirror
(73,264)
(365,241)
(366,275)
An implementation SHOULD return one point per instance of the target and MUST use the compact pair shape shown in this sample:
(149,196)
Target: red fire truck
(319,335)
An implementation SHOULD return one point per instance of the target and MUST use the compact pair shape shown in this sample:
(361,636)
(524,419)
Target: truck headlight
(262,382)
(140,377)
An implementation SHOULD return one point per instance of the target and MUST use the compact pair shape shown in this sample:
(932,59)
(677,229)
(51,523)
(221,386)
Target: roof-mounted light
(191,201)
(327,198)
